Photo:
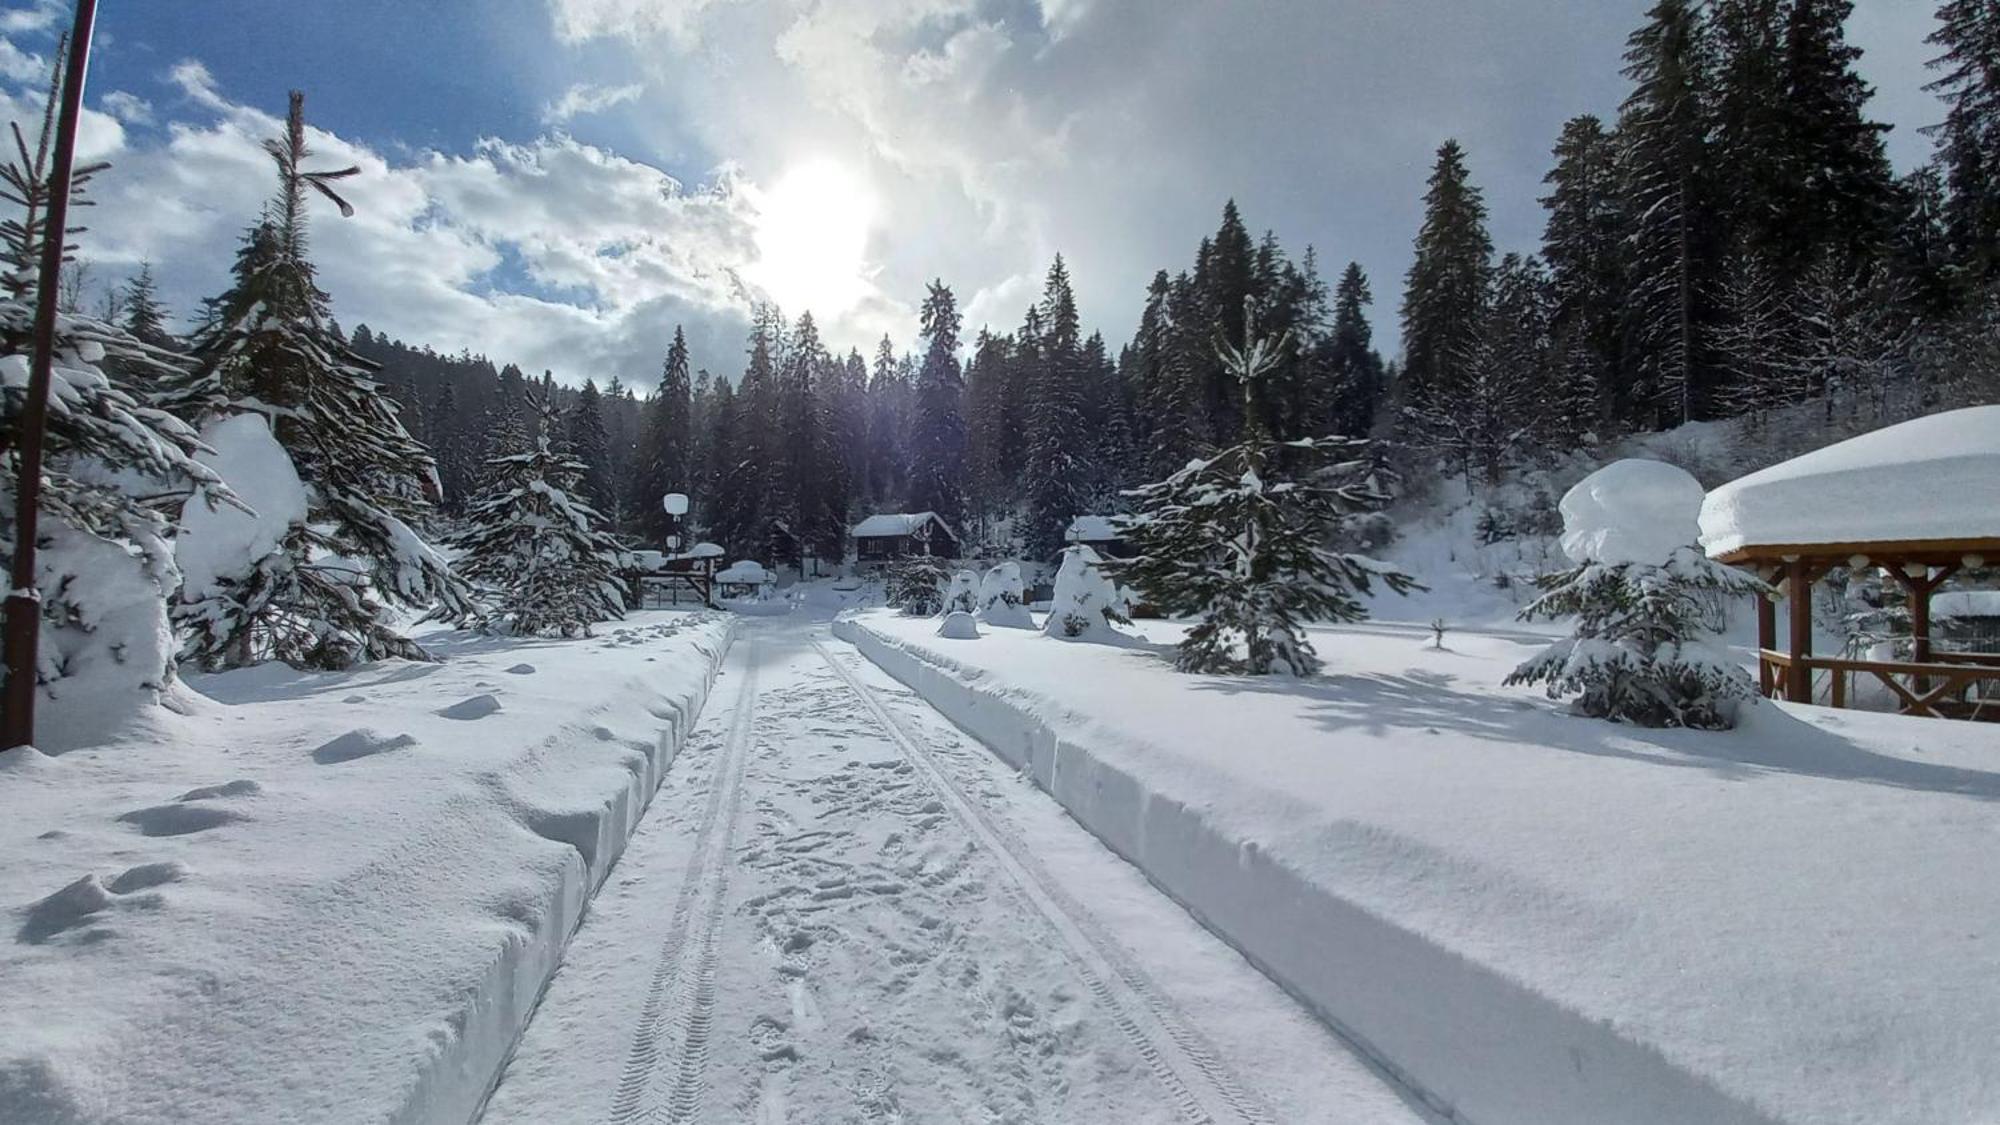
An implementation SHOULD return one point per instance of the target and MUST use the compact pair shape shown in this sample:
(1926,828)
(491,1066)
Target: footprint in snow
(522,670)
(355,699)
(360,743)
(179,820)
(80,904)
(475,707)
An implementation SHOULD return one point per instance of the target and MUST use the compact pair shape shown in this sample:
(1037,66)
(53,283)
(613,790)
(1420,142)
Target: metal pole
(17,724)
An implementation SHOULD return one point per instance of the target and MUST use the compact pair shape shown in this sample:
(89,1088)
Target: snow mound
(360,743)
(1936,477)
(959,625)
(744,572)
(1631,511)
(475,707)
(226,542)
(1084,599)
(179,819)
(963,596)
(241,787)
(1003,598)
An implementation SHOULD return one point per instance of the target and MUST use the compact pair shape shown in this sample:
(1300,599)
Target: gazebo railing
(1955,685)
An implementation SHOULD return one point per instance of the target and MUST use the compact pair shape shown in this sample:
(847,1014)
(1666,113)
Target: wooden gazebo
(1921,502)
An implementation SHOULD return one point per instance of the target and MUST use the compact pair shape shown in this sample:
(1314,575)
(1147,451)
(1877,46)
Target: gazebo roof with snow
(1926,490)
(1920,503)
(893,524)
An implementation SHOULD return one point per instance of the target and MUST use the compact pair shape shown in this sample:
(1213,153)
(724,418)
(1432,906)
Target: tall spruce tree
(588,442)
(666,442)
(144,317)
(1968,40)
(937,425)
(268,346)
(1057,476)
(1353,366)
(1583,245)
(1666,130)
(1445,294)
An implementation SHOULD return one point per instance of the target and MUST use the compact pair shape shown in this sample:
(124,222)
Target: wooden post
(1767,640)
(1798,678)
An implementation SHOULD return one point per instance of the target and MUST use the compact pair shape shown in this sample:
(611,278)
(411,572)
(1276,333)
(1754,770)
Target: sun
(811,231)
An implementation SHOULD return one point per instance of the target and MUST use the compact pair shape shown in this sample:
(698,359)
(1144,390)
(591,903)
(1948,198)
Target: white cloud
(552,254)
(584,98)
(17,65)
(577,20)
(128,108)
(41,15)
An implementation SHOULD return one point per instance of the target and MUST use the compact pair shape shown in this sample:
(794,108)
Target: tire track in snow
(679,1008)
(1180,1056)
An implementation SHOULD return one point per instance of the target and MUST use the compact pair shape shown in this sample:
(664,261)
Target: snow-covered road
(842,908)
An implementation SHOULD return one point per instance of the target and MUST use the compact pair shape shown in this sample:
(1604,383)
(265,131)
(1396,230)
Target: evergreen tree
(1968,39)
(666,442)
(1444,298)
(1840,193)
(888,428)
(1637,654)
(1666,129)
(1582,245)
(267,346)
(538,548)
(1228,541)
(1920,256)
(937,427)
(1353,366)
(1225,276)
(1056,474)
(144,318)
(451,448)
(987,378)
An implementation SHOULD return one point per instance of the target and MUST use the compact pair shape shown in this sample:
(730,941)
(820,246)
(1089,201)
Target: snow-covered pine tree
(1968,37)
(1665,131)
(144,318)
(1646,604)
(1248,555)
(591,446)
(267,346)
(1583,244)
(1085,604)
(537,547)
(1353,365)
(1057,473)
(916,586)
(1445,295)
(937,427)
(1636,655)
(888,426)
(666,441)
(111,467)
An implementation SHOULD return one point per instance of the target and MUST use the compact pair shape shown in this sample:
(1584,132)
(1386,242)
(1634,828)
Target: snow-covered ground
(842,908)
(1532,917)
(325,897)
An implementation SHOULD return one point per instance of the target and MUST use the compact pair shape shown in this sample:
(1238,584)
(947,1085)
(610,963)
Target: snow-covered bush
(1086,602)
(916,586)
(1646,604)
(538,548)
(959,625)
(1003,598)
(963,596)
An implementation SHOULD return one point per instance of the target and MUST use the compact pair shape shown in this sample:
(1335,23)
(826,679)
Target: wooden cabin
(900,535)
(1919,501)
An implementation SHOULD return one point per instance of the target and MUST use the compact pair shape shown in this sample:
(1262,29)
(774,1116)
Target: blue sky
(560,182)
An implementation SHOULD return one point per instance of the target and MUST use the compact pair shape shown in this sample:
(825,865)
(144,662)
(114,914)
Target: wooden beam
(1798,678)
(1767,638)
(1939,551)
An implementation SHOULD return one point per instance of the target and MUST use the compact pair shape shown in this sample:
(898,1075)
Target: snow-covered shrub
(959,625)
(537,546)
(963,596)
(1003,599)
(916,586)
(1086,602)
(1646,604)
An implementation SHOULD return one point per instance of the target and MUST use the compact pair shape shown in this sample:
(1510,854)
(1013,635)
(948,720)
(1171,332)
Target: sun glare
(812,238)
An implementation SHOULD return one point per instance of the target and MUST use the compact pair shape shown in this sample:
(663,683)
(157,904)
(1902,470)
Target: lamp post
(24,603)
(676,504)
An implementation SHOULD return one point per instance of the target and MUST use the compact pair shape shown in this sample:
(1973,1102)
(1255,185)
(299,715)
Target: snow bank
(744,572)
(1936,477)
(1631,511)
(325,897)
(959,625)
(1526,917)
(1003,598)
